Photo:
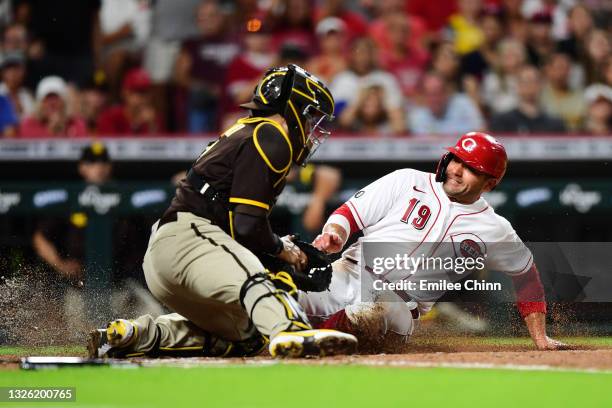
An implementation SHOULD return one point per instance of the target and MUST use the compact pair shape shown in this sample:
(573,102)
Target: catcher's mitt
(316,275)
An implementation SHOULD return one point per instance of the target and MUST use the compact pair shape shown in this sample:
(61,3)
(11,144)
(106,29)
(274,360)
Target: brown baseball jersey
(247,164)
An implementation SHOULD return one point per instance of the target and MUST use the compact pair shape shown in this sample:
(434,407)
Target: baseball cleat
(97,344)
(305,343)
(109,342)
(120,332)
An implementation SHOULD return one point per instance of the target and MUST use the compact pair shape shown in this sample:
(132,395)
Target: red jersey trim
(355,212)
(529,292)
(345,212)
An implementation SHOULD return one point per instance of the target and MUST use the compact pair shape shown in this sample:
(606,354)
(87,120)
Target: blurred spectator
(331,60)
(324,182)
(512,10)
(557,9)
(404,59)
(599,110)
(15,39)
(597,52)
(580,25)
(6,13)
(307,200)
(290,53)
(246,69)
(528,116)
(369,114)
(125,26)
(518,29)
(243,11)
(478,62)
(541,44)
(94,99)
(387,11)
(172,22)
(64,36)
(601,11)
(499,86)
(445,62)
(201,66)
(52,117)
(558,98)
(60,243)
(8,117)
(95,166)
(136,115)
(13,76)
(443,111)
(608,71)
(291,21)
(463,26)
(356,25)
(363,72)
(434,13)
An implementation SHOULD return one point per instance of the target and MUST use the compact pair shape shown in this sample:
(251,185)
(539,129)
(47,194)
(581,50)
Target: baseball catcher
(203,258)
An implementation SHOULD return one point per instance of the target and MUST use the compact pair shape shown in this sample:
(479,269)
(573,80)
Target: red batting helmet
(480,152)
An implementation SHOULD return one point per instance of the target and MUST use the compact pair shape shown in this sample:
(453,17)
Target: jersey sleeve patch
(274,147)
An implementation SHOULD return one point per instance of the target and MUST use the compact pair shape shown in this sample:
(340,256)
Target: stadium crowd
(73,68)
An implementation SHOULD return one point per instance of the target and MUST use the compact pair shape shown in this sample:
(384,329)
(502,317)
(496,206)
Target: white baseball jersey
(410,207)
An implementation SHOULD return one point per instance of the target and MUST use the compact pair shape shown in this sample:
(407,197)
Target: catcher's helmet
(302,100)
(479,151)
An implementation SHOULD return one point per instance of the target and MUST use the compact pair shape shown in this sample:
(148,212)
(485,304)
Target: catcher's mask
(302,100)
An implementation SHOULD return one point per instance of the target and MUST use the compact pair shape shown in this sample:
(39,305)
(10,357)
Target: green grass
(21,351)
(285,386)
(526,341)
(314,386)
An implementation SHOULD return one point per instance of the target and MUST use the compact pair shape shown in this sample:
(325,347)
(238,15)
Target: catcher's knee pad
(260,286)
(282,280)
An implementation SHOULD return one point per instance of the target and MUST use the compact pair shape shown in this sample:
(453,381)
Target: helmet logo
(468,144)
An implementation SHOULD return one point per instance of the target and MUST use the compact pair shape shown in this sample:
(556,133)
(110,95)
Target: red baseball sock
(338,321)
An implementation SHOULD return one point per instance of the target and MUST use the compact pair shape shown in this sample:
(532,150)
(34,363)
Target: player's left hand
(547,343)
(292,254)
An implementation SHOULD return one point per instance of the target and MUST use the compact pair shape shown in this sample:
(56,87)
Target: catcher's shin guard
(214,347)
(261,287)
(120,336)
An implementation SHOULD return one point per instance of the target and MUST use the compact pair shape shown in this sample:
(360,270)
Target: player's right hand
(328,242)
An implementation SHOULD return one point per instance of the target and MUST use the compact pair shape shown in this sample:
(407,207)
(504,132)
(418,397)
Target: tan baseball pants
(197,270)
